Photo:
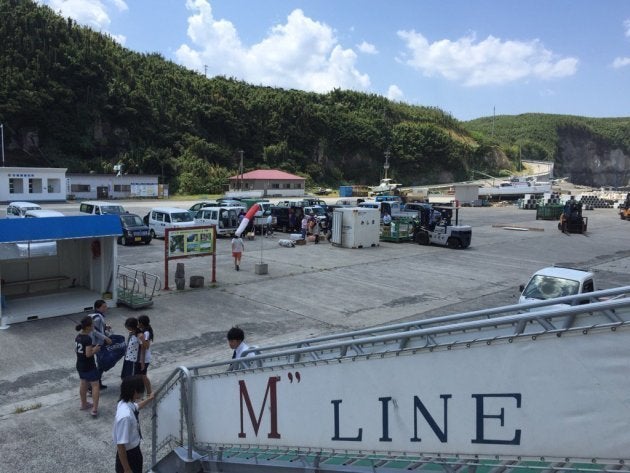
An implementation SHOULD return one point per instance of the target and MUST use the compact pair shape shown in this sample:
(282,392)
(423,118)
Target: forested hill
(589,151)
(72,97)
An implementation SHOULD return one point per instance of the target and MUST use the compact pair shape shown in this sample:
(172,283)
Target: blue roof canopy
(13,230)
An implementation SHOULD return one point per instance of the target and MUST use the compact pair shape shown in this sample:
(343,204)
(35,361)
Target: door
(102,192)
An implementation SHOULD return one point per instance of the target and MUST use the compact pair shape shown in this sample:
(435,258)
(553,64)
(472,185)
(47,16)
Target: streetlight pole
(2,134)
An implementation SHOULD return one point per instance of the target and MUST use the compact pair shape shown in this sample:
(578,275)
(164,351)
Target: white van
(161,218)
(225,218)
(19,209)
(95,207)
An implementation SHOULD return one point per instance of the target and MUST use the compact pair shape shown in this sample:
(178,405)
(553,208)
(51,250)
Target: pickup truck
(552,282)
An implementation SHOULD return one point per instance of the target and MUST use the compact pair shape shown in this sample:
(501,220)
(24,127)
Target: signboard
(189,242)
(529,397)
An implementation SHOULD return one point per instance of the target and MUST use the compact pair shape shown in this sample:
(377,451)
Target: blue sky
(467,57)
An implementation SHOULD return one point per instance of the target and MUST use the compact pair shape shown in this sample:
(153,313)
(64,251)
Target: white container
(356,227)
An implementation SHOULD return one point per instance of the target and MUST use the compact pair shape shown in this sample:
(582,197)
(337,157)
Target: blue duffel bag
(109,355)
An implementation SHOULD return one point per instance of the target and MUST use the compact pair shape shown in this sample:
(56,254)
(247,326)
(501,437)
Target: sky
(470,58)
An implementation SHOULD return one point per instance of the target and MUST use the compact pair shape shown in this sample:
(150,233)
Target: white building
(32,184)
(111,186)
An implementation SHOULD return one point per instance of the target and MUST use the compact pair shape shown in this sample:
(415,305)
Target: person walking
(100,332)
(126,432)
(237,251)
(315,229)
(304,226)
(144,324)
(86,351)
(134,341)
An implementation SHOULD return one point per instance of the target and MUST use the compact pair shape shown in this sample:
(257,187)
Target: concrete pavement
(310,290)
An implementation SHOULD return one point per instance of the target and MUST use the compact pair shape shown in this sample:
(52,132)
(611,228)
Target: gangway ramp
(483,391)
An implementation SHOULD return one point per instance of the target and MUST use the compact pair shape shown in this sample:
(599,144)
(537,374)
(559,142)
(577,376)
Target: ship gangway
(541,387)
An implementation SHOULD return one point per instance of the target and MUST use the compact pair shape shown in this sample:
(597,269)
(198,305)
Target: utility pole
(205,70)
(493,114)
(386,165)
(240,168)
(2,133)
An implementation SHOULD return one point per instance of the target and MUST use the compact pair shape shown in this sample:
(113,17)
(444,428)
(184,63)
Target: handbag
(109,355)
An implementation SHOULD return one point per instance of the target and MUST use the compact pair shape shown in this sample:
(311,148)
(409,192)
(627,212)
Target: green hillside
(537,135)
(75,98)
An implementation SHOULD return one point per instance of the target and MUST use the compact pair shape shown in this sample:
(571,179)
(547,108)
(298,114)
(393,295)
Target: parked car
(95,207)
(553,282)
(200,205)
(42,213)
(133,230)
(161,218)
(19,209)
(224,218)
(282,218)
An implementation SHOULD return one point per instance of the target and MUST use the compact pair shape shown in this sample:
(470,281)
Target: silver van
(161,218)
(19,209)
(225,218)
(95,207)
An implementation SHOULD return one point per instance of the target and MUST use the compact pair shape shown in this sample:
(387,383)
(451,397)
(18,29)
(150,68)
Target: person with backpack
(100,332)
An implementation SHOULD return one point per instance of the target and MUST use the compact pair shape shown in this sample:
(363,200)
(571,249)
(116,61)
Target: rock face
(589,160)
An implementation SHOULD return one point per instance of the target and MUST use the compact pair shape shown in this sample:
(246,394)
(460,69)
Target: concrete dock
(309,290)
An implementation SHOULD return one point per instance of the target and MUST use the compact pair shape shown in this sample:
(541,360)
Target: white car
(553,282)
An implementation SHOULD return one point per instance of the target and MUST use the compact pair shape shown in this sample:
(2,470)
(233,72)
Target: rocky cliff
(590,160)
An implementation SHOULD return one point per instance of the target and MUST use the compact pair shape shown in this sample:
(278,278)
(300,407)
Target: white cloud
(88,12)
(626,25)
(490,61)
(367,48)
(302,53)
(620,62)
(92,13)
(394,93)
(121,5)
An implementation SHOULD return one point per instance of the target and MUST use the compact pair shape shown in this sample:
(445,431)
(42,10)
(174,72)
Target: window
(286,185)
(122,188)
(298,185)
(34,186)
(275,185)
(54,186)
(16,186)
(79,188)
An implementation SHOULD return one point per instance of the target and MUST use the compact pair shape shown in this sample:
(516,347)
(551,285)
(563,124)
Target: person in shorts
(237,251)
(89,374)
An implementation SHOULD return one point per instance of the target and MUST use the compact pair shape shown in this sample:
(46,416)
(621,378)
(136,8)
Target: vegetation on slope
(75,98)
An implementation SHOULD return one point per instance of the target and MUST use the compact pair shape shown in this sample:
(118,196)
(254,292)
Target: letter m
(273,408)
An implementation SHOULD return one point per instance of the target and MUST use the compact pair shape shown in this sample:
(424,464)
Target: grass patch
(22,409)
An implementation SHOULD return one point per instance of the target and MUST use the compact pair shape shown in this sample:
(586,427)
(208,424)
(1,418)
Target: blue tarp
(13,230)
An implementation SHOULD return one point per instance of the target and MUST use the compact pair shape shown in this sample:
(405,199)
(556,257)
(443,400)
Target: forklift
(435,226)
(571,220)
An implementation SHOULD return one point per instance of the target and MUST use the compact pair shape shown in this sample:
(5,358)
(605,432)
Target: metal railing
(604,309)
(136,288)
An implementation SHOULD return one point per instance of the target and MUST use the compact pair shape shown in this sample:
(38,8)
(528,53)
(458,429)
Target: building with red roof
(271,182)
